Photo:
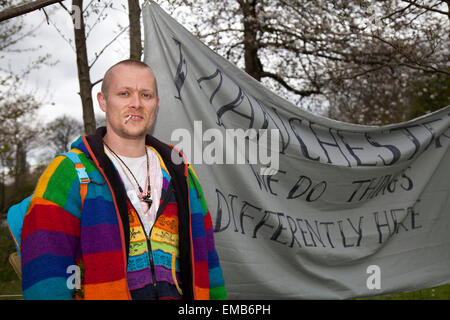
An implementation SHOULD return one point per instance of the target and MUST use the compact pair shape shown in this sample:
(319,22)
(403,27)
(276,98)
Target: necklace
(143,196)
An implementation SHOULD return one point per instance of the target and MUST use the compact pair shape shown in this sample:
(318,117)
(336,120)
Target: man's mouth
(133,117)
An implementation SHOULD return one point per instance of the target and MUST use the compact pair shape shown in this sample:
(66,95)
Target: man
(141,230)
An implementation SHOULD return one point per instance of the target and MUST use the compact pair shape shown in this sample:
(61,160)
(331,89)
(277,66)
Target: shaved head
(130,102)
(110,72)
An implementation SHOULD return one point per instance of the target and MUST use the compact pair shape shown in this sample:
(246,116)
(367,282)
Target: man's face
(131,92)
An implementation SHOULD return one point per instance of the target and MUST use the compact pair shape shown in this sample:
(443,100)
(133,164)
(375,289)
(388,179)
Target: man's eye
(123,93)
(146,95)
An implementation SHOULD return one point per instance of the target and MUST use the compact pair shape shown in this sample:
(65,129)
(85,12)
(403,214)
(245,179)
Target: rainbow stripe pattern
(163,244)
(58,232)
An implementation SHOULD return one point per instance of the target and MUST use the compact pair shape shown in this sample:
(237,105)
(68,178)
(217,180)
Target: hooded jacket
(63,237)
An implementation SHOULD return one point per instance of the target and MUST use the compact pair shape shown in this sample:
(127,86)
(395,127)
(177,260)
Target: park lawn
(10,283)
(435,293)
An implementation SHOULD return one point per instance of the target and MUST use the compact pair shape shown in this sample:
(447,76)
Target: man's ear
(157,104)
(101,101)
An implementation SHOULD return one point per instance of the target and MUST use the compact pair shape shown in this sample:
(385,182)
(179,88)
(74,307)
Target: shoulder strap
(16,213)
(83,177)
(79,167)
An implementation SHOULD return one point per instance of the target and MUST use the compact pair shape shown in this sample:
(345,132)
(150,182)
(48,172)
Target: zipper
(150,252)
(149,245)
(152,265)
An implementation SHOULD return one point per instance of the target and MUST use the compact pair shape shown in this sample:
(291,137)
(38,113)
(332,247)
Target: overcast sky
(59,83)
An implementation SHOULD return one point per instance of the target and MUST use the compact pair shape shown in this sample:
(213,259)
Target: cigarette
(128,119)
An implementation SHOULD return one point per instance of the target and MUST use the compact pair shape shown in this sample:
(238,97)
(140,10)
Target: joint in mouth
(128,119)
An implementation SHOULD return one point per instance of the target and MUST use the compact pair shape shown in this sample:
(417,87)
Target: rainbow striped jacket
(60,232)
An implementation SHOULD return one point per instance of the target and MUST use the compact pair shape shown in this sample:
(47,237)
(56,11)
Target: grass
(435,293)
(9,282)
(10,287)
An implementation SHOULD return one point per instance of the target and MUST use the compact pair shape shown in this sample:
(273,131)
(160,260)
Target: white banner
(302,206)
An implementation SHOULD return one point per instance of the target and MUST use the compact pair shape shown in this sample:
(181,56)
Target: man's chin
(135,133)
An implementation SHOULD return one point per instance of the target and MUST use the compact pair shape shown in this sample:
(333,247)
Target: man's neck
(132,148)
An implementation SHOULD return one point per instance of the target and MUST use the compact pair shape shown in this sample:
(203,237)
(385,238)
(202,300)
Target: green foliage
(435,293)
(9,281)
(15,194)
(430,94)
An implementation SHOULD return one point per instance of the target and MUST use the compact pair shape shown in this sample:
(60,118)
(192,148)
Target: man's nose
(135,101)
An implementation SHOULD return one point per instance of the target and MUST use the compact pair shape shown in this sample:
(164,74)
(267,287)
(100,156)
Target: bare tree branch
(97,82)
(98,20)
(26,8)
(97,55)
(414,3)
(280,80)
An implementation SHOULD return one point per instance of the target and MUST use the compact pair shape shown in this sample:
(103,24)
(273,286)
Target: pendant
(148,200)
(146,197)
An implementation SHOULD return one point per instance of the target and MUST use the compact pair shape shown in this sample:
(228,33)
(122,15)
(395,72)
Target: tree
(134,15)
(13,32)
(61,132)
(18,10)
(85,61)
(431,93)
(17,114)
(342,55)
(79,13)
(84,78)
(18,106)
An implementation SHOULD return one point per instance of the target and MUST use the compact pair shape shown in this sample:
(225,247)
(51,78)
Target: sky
(58,84)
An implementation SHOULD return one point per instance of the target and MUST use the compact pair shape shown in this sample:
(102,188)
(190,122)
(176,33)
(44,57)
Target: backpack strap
(17,212)
(81,170)
(83,177)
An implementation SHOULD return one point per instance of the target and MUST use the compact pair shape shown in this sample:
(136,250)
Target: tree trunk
(20,167)
(448,9)
(134,14)
(253,65)
(84,78)
(2,192)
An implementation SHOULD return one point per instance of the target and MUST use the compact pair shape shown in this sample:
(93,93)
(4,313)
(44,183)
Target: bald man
(142,229)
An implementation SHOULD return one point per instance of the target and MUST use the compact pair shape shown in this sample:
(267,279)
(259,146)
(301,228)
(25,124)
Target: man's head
(129,89)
